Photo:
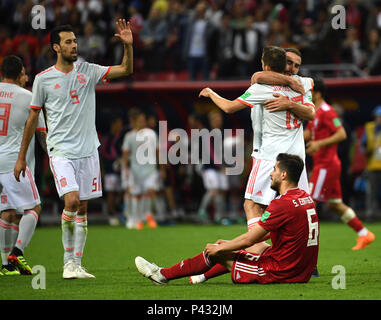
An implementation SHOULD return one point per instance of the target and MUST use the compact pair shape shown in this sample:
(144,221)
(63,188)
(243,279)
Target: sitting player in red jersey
(290,219)
(322,136)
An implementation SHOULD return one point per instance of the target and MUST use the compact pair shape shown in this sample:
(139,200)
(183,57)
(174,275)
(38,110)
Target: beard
(275,185)
(69,58)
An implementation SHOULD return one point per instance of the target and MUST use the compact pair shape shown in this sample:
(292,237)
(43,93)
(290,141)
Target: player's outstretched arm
(280,103)
(275,78)
(243,241)
(228,106)
(29,130)
(125,35)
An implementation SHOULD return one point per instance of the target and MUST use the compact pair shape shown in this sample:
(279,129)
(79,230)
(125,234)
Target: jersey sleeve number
(296,123)
(313,229)
(5,110)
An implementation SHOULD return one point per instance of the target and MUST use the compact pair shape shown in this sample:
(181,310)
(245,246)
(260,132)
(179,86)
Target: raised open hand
(124,31)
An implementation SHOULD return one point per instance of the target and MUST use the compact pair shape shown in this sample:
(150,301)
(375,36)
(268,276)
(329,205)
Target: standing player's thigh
(88,175)
(210,179)
(63,170)
(135,184)
(16,195)
(258,188)
(247,268)
(325,183)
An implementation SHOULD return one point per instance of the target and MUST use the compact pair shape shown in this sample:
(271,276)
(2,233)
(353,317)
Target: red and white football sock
(188,267)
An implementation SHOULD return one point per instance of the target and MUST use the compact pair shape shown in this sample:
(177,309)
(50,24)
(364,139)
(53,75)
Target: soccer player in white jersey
(15,196)
(67,92)
(140,149)
(30,158)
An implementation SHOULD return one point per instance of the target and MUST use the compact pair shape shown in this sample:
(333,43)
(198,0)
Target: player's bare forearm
(228,106)
(41,136)
(243,241)
(29,130)
(302,111)
(126,67)
(125,35)
(276,78)
(336,138)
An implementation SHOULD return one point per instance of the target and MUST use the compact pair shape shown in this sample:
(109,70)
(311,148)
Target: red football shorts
(247,268)
(325,182)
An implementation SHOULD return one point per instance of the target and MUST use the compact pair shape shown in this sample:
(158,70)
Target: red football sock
(355,224)
(188,267)
(216,271)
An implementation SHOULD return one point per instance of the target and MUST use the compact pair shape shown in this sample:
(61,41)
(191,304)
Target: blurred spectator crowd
(198,39)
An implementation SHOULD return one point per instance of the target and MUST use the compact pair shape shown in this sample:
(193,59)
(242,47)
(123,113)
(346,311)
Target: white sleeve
(99,72)
(125,145)
(256,94)
(307,83)
(38,97)
(41,122)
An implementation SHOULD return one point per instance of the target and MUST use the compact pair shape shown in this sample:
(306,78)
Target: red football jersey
(294,230)
(325,124)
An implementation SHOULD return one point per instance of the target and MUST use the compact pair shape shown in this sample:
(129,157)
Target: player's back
(281,131)
(14,111)
(294,229)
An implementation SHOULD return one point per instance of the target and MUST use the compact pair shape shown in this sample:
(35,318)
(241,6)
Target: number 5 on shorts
(313,229)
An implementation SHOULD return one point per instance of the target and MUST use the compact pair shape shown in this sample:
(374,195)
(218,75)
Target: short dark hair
(11,67)
(55,34)
(292,164)
(134,113)
(319,86)
(275,58)
(294,50)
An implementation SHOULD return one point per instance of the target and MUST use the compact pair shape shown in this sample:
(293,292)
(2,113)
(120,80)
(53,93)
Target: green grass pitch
(110,253)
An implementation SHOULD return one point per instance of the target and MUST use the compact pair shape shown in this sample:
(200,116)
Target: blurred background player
(22,195)
(213,174)
(30,158)
(371,142)
(140,147)
(322,136)
(111,154)
(72,137)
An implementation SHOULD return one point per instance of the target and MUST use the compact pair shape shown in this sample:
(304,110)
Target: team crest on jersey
(81,78)
(63,182)
(4,199)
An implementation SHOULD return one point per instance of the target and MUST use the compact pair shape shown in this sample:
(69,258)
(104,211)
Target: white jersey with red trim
(275,132)
(14,111)
(69,102)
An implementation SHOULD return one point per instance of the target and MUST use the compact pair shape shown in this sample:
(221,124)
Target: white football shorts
(215,179)
(140,186)
(21,195)
(112,182)
(83,175)
(258,188)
